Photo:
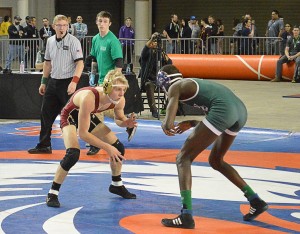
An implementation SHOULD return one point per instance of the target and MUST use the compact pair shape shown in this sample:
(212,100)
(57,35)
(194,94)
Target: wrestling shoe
(52,200)
(121,191)
(257,206)
(40,150)
(182,221)
(93,150)
(131,132)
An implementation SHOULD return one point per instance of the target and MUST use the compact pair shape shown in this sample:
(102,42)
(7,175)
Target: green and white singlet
(225,111)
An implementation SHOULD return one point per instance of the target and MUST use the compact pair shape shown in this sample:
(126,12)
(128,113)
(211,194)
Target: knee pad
(119,146)
(70,159)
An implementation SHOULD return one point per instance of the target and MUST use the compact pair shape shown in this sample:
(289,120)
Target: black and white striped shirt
(63,54)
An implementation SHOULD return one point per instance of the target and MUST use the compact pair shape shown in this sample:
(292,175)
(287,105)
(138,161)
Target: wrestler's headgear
(164,80)
(107,85)
(108,82)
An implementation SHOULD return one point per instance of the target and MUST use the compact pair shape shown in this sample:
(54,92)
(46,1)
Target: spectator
(16,48)
(46,31)
(286,34)
(185,35)
(32,45)
(233,41)
(220,34)
(205,33)
(194,25)
(246,41)
(274,29)
(71,29)
(292,53)
(148,62)
(4,35)
(127,31)
(212,43)
(80,28)
(171,32)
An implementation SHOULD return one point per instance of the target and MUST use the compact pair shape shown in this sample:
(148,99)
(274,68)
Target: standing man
(64,63)
(32,45)
(127,31)
(226,115)
(16,48)
(107,52)
(275,28)
(80,28)
(171,32)
(46,31)
(291,53)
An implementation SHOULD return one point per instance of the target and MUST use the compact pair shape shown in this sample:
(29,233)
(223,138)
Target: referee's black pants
(55,98)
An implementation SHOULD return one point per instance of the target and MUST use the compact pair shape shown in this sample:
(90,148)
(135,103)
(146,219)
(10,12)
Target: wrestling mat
(268,160)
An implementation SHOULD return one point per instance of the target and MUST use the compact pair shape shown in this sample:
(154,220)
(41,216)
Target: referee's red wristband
(75,79)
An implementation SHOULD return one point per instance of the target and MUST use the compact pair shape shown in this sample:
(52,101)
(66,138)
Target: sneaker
(131,132)
(7,71)
(257,206)
(40,150)
(121,191)
(154,114)
(52,200)
(93,150)
(182,221)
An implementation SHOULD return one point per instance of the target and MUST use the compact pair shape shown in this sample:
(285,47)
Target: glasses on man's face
(61,25)
(287,26)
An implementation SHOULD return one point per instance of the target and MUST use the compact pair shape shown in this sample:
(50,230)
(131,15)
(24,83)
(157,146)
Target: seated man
(291,53)
(79,114)
(148,62)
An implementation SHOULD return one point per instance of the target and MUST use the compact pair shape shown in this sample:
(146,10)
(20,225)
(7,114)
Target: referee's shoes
(40,150)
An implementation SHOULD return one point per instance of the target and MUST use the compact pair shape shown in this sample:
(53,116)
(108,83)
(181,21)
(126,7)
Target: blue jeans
(15,51)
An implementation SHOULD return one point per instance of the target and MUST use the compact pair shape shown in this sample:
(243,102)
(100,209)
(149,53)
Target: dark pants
(150,89)
(127,53)
(54,100)
(283,59)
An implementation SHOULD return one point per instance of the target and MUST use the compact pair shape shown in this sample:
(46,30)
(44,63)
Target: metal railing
(26,49)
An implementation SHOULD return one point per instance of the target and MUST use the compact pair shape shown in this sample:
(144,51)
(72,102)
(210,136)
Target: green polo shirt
(106,49)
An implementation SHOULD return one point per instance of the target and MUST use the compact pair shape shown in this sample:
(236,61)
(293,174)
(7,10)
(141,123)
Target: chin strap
(112,101)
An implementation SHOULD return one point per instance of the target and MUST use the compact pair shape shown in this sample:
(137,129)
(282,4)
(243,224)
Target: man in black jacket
(16,48)
(148,62)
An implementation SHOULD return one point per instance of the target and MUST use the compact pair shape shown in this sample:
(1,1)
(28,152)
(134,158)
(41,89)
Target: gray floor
(266,106)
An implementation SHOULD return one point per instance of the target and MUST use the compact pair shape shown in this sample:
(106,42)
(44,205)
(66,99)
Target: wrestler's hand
(114,154)
(169,131)
(183,126)
(131,121)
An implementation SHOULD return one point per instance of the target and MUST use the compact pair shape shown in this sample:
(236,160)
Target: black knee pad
(119,146)
(70,159)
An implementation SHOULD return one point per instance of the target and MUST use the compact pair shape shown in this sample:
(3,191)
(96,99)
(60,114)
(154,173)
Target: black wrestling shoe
(121,191)
(182,221)
(93,150)
(52,200)
(131,132)
(257,206)
(40,150)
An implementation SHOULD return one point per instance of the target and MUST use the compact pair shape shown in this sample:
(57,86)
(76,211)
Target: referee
(64,63)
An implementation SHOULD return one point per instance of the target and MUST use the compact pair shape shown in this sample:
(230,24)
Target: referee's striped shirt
(63,54)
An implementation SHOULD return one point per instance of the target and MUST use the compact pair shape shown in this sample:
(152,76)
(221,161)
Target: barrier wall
(230,67)
(20,98)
